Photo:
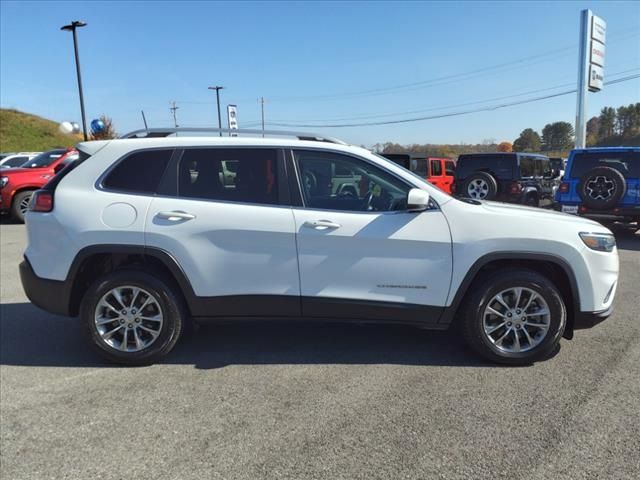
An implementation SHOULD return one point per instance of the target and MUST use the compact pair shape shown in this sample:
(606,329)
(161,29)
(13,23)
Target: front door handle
(322,224)
(175,215)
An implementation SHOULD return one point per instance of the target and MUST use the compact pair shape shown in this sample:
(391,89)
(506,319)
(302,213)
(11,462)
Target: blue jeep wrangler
(602,183)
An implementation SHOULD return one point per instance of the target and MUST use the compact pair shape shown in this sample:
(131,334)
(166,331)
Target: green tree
(607,123)
(557,136)
(528,141)
(593,130)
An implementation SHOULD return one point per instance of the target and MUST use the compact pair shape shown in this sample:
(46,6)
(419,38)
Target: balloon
(66,127)
(76,127)
(97,126)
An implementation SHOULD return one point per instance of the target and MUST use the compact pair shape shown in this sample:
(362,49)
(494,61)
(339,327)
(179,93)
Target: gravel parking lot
(316,401)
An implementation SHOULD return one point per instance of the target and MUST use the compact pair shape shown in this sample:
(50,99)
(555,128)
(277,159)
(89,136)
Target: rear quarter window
(627,163)
(140,172)
(502,166)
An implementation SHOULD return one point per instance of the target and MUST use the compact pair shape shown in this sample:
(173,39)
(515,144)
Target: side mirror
(417,200)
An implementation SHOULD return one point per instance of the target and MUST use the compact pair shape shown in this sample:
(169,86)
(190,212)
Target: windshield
(627,163)
(44,159)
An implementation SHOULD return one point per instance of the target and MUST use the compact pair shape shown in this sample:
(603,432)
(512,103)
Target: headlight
(602,242)
(3,181)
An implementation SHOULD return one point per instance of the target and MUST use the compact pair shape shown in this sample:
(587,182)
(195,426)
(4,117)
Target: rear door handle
(322,224)
(175,215)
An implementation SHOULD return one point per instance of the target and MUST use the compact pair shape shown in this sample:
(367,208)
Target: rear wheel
(514,317)
(132,317)
(601,188)
(20,205)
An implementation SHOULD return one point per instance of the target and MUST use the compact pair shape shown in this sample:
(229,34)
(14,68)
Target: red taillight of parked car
(515,188)
(42,201)
(563,188)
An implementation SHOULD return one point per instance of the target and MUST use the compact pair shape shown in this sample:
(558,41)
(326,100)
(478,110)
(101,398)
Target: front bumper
(583,320)
(50,295)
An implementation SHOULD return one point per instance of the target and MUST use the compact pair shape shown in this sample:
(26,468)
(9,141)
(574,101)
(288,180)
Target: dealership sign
(597,37)
(232,118)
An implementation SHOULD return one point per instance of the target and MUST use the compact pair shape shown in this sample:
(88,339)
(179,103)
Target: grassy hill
(25,132)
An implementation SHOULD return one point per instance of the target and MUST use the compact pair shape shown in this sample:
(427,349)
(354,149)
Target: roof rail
(165,132)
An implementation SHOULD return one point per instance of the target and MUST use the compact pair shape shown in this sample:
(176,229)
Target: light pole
(217,89)
(72,28)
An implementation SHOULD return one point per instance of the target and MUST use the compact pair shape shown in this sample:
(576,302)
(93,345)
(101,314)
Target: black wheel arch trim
(450,312)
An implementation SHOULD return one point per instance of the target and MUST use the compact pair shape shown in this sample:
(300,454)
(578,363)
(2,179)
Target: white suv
(141,234)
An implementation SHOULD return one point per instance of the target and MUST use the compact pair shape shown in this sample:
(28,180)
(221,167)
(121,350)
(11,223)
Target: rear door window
(436,168)
(449,168)
(527,167)
(234,175)
(419,167)
(627,163)
(139,172)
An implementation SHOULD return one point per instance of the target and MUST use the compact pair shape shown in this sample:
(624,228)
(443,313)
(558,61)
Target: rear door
(225,218)
(363,255)
(436,173)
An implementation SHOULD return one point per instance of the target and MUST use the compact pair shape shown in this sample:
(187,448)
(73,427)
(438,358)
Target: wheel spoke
(136,292)
(537,325)
(504,335)
(516,341)
(501,301)
(104,321)
(156,318)
(518,295)
(139,344)
(154,333)
(110,333)
(493,329)
(106,304)
(542,311)
(526,334)
(118,296)
(532,297)
(495,312)
(125,339)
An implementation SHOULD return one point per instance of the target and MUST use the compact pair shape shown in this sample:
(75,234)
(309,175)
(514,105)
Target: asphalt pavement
(301,401)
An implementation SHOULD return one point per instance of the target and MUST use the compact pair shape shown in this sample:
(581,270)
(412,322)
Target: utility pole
(262,109)
(217,89)
(173,109)
(72,28)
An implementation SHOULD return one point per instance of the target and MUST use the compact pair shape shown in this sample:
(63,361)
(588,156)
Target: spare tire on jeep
(480,186)
(601,188)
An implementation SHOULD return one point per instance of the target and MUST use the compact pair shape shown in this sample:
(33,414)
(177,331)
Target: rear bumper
(50,295)
(619,213)
(583,320)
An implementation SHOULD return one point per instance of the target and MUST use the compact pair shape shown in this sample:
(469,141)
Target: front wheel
(514,317)
(20,205)
(132,317)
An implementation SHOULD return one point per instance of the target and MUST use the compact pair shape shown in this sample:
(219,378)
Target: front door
(361,254)
(230,231)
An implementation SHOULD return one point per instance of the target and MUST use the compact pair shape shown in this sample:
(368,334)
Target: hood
(533,213)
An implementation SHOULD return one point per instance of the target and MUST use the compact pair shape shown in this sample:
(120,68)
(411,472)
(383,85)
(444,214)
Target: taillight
(515,188)
(563,188)
(42,201)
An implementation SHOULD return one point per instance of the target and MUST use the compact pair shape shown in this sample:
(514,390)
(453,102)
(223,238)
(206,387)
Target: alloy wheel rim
(24,205)
(600,187)
(478,189)
(128,318)
(516,320)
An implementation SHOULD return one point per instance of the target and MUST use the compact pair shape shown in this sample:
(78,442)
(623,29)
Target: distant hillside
(25,132)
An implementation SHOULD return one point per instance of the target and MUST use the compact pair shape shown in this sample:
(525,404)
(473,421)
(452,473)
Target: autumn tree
(108,132)
(528,141)
(505,147)
(557,136)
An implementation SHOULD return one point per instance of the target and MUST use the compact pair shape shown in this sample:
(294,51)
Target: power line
(453,114)
(444,107)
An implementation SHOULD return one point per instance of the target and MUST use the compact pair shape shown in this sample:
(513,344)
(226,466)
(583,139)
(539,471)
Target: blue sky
(312,61)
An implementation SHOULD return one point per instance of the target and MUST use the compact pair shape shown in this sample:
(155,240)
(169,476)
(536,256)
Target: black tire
(171,306)
(531,200)
(601,188)
(483,291)
(19,201)
(489,183)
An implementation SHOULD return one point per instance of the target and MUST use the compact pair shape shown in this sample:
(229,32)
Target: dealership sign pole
(593,32)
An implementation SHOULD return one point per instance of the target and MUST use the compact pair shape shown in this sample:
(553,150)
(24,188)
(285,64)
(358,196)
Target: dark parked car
(507,177)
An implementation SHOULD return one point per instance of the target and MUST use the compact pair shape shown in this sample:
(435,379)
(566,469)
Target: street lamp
(217,89)
(72,28)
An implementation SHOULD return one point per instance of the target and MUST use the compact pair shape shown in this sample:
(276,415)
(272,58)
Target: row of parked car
(599,183)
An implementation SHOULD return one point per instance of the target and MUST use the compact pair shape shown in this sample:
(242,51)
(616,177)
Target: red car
(18,184)
(438,171)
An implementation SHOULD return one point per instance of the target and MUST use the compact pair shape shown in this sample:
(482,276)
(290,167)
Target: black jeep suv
(507,177)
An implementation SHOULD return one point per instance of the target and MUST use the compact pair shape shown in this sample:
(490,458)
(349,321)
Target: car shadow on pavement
(31,337)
